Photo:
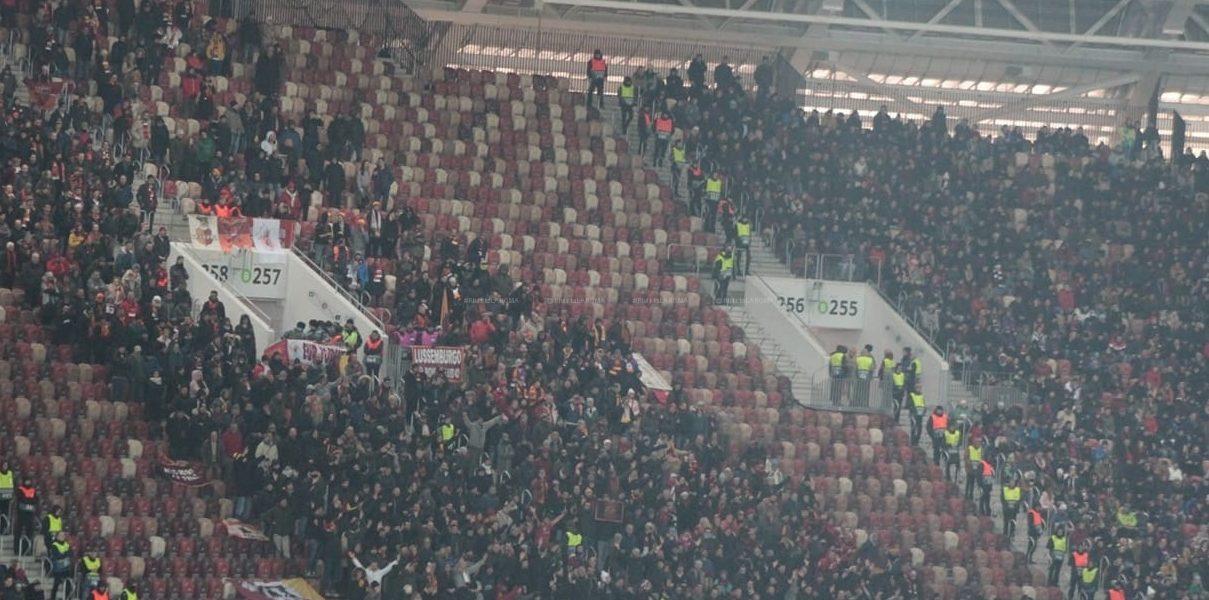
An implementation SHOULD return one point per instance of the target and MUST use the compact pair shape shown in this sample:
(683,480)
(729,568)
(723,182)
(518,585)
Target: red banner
(44,94)
(306,351)
(235,233)
(182,472)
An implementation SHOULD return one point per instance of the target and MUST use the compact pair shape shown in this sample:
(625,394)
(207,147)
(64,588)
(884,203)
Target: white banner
(249,273)
(825,304)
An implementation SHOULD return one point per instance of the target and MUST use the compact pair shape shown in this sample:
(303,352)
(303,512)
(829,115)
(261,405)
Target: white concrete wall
(787,330)
(885,329)
(201,283)
(310,296)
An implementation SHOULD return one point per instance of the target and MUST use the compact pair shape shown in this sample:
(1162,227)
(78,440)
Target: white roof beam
(960,30)
(940,14)
(872,14)
(1021,18)
(1043,99)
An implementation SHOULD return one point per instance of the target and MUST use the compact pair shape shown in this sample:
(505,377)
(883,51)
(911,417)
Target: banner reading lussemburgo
(447,360)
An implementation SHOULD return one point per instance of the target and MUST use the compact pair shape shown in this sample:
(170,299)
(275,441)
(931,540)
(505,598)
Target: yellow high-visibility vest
(62,547)
(917,400)
(6,480)
(864,364)
(899,378)
(837,360)
(1127,519)
(952,438)
(54,524)
(626,91)
(918,367)
(1059,543)
(350,338)
(447,431)
(888,365)
(743,230)
(974,453)
(1090,574)
(713,185)
(678,155)
(92,565)
(1011,494)
(727,264)
(574,539)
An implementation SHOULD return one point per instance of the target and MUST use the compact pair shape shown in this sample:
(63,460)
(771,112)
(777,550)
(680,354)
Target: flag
(1178,131)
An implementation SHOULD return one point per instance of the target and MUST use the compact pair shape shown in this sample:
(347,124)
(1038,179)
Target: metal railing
(692,262)
(990,388)
(850,394)
(360,306)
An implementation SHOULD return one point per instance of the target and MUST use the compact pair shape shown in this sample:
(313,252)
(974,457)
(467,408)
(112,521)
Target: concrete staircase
(610,115)
(32,566)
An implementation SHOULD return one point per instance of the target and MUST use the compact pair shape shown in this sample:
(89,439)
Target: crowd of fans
(546,471)
(540,472)
(1074,270)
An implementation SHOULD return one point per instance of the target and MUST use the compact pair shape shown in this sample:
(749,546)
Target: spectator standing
(598,73)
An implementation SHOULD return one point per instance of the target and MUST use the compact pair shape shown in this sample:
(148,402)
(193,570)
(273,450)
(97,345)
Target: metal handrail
(244,300)
(711,250)
(339,288)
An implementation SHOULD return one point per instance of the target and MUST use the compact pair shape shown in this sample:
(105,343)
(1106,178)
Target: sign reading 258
(253,275)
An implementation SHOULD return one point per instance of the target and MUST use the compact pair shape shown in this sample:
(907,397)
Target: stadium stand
(503,485)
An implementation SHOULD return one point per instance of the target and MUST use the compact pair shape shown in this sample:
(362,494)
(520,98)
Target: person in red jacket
(598,72)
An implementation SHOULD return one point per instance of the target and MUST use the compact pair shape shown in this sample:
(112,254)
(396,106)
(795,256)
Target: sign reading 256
(799,305)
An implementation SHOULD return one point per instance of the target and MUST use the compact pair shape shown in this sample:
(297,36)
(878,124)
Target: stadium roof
(1084,63)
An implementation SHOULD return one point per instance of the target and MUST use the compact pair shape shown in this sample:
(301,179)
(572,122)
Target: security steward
(918,407)
(743,245)
(8,491)
(724,270)
(59,553)
(598,72)
(713,195)
(90,571)
(939,422)
(898,389)
(627,97)
(373,353)
(1011,508)
(27,507)
(52,525)
(952,451)
(100,592)
(1058,546)
(1089,581)
(914,368)
(864,374)
(679,160)
(973,466)
(664,128)
(129,593)
(986,481)
(837,368)
(1080,563)
(350,336)
(1036,526)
